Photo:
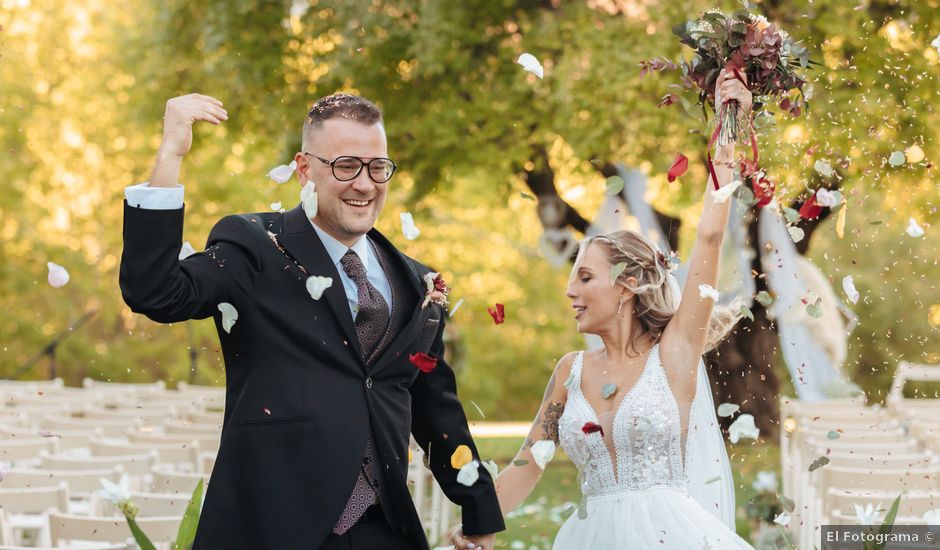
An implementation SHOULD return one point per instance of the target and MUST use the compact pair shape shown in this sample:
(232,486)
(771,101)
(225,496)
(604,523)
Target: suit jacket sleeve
(156,283)
(439,425)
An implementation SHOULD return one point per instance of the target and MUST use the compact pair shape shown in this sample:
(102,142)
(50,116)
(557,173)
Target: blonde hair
(657,298)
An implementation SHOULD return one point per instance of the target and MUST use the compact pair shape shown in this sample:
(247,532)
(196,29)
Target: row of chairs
(858,455)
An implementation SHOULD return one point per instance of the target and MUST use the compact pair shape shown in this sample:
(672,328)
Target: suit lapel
(303,244)
(417,318)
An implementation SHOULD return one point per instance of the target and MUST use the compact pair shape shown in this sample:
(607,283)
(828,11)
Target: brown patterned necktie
(372,321)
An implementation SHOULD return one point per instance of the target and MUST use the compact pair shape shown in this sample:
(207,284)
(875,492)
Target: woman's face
(595,302)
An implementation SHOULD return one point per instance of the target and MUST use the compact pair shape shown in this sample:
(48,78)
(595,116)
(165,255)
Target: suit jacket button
(369,382)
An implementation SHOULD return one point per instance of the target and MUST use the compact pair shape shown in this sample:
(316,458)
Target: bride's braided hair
(656,301)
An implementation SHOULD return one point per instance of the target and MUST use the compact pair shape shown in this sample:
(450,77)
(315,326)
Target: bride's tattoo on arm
(549,423)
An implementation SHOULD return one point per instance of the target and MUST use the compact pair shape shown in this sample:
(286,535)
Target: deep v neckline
(612,458)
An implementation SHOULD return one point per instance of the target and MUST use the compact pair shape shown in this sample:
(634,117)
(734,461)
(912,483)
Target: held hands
(181,113)
(475,542)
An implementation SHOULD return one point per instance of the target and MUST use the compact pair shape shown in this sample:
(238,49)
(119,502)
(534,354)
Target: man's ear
(303,168)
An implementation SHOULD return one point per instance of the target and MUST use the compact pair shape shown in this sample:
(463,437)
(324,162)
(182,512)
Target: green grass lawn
(533,525)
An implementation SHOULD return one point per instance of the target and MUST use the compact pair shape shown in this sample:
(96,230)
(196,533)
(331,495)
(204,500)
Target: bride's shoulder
(563,368)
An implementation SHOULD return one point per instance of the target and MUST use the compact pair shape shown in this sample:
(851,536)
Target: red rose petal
(591,427)
(810,209)
(679,166)
(423,361)
(498,315)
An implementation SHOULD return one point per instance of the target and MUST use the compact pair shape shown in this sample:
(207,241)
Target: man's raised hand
(181,113)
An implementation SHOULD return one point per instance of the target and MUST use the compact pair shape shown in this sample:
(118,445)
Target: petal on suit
(316,285)
(469,474)
(229,316)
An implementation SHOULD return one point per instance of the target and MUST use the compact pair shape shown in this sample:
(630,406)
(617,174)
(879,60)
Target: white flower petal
(932,517)
(229,316)
(897,158)
(469,473)
(823,168)
(186,250)
(913,229)
(531,64)
(308,196)
(58,275)
(3,471)
(783,518)
(743,427)
(116,493)
(727,409)
(283,172)
(456,307)
(276,206)
(491,467)
(914,154)
(936,43)
(708,291)
(825,197)
(848,285)
(796,234)
(722,195)
(408,227)
(543,451)
(317,284)
(766,482)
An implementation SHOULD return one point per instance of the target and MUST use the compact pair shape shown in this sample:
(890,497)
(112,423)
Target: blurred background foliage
(84,83)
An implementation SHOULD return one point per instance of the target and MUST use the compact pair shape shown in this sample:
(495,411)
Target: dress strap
(574,379)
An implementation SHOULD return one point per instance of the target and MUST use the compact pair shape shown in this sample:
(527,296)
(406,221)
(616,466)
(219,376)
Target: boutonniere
(436,290)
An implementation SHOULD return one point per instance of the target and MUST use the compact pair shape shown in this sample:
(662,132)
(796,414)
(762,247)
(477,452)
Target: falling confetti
(608,389)
(936,43)
(229,316)
(491,467)
(276,206)
(186,250)
(823,168)
(531,64)
(461,457)
(58,275)
(316,285)
(615,271)
(614,185)
(746,312)
(848,285)
(679,167)
(914,154)
(914,229)
(724,193)
(743,427)
(818,463)
(308,197)
(708,291)
(408,227)
(783,518)
(897,159)
(727,409)
(423,361)
(469,474)
(591,427)
(456,307)
(543,451)
(282,173)
(796,234)
(498,314)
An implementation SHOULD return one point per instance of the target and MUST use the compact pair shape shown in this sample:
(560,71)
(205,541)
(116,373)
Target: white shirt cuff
(154,198)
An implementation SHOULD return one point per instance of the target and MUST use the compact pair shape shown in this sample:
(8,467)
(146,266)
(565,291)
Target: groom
(321,395)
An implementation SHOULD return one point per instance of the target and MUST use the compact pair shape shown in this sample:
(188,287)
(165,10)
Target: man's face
(346,209)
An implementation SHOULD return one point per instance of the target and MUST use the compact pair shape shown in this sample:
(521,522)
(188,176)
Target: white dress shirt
(171,198)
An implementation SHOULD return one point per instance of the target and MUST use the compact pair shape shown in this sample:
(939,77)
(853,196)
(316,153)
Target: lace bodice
(645,433)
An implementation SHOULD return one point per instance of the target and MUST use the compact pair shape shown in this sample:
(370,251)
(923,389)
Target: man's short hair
(342,105)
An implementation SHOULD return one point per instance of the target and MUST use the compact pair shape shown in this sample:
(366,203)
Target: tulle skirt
(657,518)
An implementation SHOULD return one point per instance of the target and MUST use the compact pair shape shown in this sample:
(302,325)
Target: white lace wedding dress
(636,497)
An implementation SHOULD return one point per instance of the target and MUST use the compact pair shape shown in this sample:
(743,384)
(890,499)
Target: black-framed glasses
(347,168)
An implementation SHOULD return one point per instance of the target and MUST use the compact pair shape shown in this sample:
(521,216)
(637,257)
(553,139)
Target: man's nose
(362,182)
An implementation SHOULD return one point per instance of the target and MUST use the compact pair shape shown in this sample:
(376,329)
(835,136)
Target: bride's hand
(729,88)
(462,542)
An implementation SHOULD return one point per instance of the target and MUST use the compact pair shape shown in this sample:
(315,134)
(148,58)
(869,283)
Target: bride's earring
(620,309)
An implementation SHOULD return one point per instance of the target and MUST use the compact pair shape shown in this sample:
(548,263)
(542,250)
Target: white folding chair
(168,481)
(69,527)
(184,456)
(27,509)
(26,451)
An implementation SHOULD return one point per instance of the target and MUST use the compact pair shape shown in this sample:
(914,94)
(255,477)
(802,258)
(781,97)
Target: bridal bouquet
(759,54)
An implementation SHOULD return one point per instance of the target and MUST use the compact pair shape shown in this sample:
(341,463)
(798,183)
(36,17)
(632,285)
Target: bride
(636,417)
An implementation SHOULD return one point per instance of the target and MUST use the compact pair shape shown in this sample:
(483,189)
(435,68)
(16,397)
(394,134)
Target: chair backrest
(110,428)
(176,426)
(145,416)
(18,451)
(185,454)
(168,481)
(207,462)
(34,500)
(206,442)
(913,503)
(150,505)
(70,527)
(819,446)
(84,546)
(79,482)
(201,417)
(135,465)
(878,478)
(68,439)
(909,372)
(6,533)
